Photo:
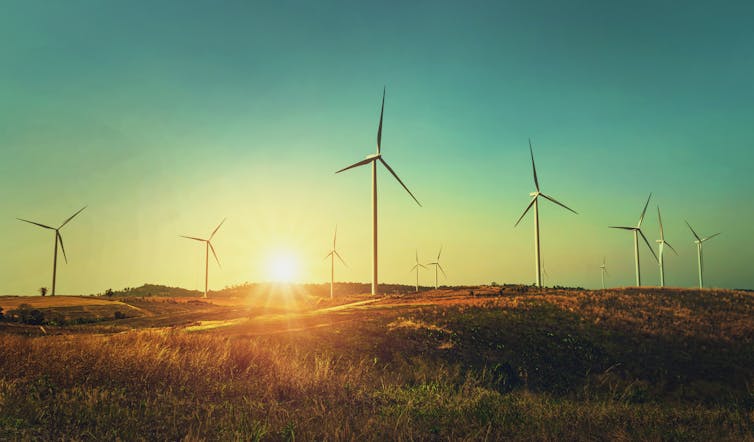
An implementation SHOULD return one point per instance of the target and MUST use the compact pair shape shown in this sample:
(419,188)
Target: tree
(43,291)
(109,292)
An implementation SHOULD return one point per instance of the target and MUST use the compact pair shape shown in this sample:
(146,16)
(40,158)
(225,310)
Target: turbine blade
(438,254)
(413,268)
(327,256)
(624,228)
(644,211)
(379,129)
(423,266)
(441,269)
(32,222)
(558,203)
(335,236)
(533,167)
(671,247)
(527,209)
(216,229)
(694,233)
(360,163)
(711,236)
(71,217)
(399,180)
(191,237)
(659,217)
(60,238)
(340,258)
(214,254)
(648,246)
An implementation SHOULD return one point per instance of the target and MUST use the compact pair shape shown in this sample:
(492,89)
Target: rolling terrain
(473,363)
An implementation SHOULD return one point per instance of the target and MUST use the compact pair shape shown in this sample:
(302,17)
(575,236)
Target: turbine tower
(603,267)
(535,202)
(637,231)
(58,239)
(698,243)
(437,266)
(373,159)
(661,247)
(544,272)
(333,253)
(207,247)
(416,267)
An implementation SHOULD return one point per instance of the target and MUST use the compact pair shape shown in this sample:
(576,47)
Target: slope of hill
(492,363)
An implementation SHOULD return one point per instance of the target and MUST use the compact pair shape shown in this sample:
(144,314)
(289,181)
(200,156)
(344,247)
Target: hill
(494,363)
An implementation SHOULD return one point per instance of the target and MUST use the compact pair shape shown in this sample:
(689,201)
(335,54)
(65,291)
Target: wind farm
(316,325)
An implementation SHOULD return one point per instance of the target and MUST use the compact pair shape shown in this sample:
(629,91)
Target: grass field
(481,363)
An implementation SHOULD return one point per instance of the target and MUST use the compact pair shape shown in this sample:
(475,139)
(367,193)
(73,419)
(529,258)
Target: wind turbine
(698,243)
(373,158)
(333,253)
(58,239)
(637,231)
(661,245)
(416,267)
(603,267)
(535,202)
(437,266)
(207,246)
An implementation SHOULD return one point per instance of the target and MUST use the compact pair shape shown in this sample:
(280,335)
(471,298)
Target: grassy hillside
(473,364)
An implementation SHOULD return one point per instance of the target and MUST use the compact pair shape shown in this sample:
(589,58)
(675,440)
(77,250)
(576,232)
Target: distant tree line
(26,314)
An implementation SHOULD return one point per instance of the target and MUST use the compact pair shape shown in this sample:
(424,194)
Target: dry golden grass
(531,365)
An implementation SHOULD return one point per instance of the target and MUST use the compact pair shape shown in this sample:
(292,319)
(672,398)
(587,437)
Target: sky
(166,117)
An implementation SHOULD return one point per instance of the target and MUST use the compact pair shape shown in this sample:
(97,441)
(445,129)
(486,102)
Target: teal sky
(165,117)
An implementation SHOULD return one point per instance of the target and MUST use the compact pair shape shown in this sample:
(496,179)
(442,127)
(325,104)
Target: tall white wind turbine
(637,231)
(373,159)
(333,253)
(603,268)
(58,239)
(535,202)
(207,247)
(661,247)
(416,267)
(437,265)
(698,241)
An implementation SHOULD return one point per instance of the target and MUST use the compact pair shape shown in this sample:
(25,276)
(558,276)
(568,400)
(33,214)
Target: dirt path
(278,319)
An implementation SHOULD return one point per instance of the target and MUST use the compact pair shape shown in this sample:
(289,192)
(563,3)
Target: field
(474,363)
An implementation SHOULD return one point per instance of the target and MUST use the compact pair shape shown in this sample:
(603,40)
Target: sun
(283,267)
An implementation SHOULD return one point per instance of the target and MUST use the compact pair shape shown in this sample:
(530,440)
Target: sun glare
(283,267)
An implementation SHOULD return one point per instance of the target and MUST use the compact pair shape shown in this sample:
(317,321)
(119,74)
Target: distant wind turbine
(373,159)
(58,239)
(535,202)
(333,253)
(437,265)
(661,245)
(416,267)
(207,246)
(603,267)
(698,243)
(637,231)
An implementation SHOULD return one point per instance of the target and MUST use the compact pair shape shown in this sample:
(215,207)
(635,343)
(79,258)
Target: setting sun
(283,267)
